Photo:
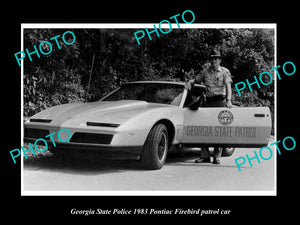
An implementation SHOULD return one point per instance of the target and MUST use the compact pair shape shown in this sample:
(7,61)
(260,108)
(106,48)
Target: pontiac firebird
(145,119)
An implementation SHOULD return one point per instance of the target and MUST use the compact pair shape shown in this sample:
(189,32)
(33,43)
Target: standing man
(217,80)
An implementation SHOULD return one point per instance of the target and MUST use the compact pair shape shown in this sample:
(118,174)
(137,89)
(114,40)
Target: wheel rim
(162,146)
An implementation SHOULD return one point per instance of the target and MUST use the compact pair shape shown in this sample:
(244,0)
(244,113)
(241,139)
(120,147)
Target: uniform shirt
(214,80)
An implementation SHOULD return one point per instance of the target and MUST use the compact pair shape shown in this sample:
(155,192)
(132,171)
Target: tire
(155,148)
(227,152)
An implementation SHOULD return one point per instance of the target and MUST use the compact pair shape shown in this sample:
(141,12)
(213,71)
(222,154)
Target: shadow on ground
(95,164)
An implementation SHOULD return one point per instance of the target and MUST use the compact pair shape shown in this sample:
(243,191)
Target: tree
(63,76)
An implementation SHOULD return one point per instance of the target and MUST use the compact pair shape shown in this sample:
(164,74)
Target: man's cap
(215,54)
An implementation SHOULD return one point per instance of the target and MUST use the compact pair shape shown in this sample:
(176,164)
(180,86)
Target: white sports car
(144,119)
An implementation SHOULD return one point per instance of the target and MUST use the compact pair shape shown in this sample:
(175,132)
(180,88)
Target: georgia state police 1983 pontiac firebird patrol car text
(144,119)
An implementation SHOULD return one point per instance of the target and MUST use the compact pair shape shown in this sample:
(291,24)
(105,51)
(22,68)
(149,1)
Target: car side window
(188,100)
(193,95)
(169,96)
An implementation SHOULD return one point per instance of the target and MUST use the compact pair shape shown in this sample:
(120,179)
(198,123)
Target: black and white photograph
(149,112)
(139,109)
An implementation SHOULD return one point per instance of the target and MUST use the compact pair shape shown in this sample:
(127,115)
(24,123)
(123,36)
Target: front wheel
(227,152)
(155,148)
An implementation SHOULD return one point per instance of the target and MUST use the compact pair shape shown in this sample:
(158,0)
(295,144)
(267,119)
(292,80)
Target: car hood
(105,112)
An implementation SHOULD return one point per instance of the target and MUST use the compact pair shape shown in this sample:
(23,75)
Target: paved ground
(180,173)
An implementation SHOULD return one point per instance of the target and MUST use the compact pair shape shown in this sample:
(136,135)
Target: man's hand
(229,104)
(188,85)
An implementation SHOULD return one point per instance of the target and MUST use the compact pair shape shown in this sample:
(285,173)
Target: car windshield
(164,93)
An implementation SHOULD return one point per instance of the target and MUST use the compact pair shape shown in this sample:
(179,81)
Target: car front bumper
(130,152)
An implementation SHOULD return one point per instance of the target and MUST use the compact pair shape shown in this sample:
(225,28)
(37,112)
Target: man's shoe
(202,160)
(216,161)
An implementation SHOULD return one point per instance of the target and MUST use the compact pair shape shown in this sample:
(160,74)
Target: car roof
(156,82)
(163,82)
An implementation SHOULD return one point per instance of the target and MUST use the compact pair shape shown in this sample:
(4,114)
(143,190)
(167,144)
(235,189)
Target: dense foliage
(62,76)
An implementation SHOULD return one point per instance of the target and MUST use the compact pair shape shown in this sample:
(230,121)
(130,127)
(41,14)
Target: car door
(238,126)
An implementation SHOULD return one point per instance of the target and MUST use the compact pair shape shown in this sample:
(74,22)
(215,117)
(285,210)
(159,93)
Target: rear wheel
(155,148)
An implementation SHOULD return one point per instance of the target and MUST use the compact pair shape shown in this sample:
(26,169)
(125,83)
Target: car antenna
(88,88)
